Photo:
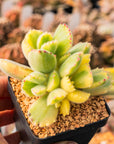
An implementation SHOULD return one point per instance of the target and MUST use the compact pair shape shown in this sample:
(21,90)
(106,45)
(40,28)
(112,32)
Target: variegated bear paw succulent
(59,74)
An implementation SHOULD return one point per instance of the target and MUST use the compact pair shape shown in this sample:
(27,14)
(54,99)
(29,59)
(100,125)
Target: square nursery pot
(80,135)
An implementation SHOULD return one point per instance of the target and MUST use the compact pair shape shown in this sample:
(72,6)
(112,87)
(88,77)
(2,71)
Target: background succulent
(17,35)
(107,51)
(13,52)
(35,21)
(13,15)
(58,75)
(5,27)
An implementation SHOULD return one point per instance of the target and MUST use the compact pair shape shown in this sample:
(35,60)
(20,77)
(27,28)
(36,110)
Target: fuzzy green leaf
(56,96)
(70,65)
(30,41)
(64,38)
(42,61)
(14,69)
(40,113)
(53,81)
(43,38)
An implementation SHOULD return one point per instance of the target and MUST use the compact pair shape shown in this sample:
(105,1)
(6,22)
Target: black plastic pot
(80,135)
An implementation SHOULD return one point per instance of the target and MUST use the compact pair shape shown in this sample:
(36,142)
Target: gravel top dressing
(91,111)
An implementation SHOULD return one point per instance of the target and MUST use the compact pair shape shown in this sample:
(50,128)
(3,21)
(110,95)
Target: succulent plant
(58,74)
(87,32)
(35,21)
(13,52)
(14,15)
(6,27)
(106,29)
(107,51)
(17,35)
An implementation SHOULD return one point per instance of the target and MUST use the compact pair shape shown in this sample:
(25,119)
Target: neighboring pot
(80,135)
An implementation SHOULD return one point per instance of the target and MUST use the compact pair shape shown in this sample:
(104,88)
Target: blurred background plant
(89,20)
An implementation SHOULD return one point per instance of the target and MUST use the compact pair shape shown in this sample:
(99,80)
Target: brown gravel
(81,114)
